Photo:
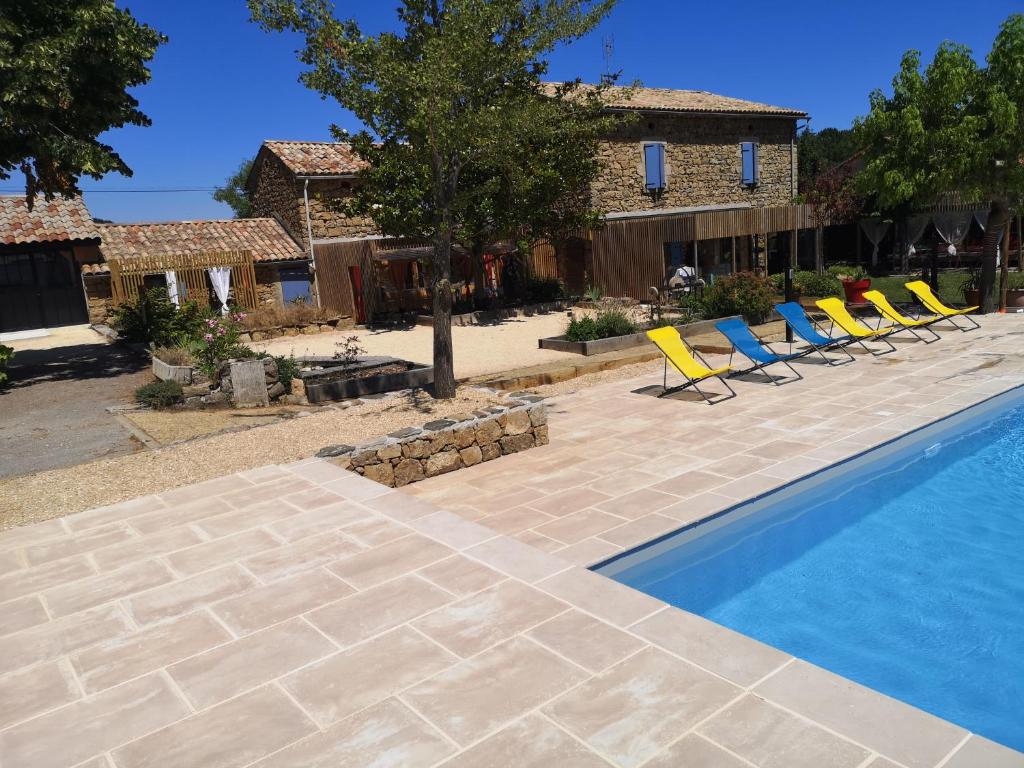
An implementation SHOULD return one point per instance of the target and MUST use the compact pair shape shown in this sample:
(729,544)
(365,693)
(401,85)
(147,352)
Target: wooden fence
(127,276)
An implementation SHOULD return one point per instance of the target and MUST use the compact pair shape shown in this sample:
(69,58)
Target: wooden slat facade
(333,275)
(127,276)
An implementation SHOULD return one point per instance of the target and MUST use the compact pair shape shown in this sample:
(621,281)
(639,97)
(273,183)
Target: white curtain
(875,230)
(221,279)
(952,227)
(172,287)
(982,218)
(916,225)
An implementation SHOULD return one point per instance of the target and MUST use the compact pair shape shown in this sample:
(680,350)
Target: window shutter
(748,153)
(654,166)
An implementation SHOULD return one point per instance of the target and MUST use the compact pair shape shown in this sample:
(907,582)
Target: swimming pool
(902,569)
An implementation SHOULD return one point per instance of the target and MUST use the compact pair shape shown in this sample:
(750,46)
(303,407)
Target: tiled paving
(303,616)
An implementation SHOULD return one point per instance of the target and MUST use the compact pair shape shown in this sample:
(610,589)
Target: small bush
(691,308)
(159,394)
(287,369)
(153,319)
(847,272)
(541,290)
(606,324)
(809,284)
(593,293)
(743,293)
(6,353)
(581,329)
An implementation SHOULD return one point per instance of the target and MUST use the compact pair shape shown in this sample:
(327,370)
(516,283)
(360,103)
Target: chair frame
(836,344)
(975,325)
(693,382)
(912,328)
(857,340)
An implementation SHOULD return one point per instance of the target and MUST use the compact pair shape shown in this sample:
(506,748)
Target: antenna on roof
(608,46)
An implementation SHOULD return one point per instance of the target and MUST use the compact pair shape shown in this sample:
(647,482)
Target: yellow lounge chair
(674,349)
(931,302)
(893,315)
(841,318)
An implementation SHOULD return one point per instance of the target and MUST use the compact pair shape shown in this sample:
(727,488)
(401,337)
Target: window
(654,166)
(294,284)
(748,154)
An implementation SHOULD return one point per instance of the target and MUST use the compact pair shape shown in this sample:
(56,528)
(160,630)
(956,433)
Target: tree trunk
(441,287)
(819,250)
(998,215)
(1004,265)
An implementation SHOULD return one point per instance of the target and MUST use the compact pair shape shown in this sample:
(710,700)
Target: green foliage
(234,194)
(743,293)
(841,272)
(287,369)
(218,341)
(153,319)
(65,73)
(819,152)
(174,355)
(809,284)
(159,394)
(691,308)
(462,143)
(607,323)
(1015,281)
(592,293)
(541,290)
(6,353)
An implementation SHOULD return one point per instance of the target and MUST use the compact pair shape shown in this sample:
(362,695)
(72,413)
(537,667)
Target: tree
(952,127)
(822,152)
(65,67)
(440,100)
(234,193)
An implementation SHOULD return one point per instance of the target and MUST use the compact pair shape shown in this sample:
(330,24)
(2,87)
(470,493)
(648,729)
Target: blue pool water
(906,575)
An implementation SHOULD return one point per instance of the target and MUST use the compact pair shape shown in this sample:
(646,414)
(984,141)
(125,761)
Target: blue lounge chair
(750,345)
(804,327)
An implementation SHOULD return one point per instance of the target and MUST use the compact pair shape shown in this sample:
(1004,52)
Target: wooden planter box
(166,372)
(616,343)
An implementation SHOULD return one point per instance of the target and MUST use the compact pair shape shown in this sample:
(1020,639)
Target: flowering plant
(219,341)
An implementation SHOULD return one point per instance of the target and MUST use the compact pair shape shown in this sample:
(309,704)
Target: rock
(364,457)
(541,435)
(258,335)
(459,417)
(380,473)
(464,437)
(245,338)
(439,424)
(488,432)
(417,449)
(516,443)
(330,451)
(309,330)
(517,422)
(491,451)
(408,471)
(443,462)
(405,432)
(275,390)
(217,398)
(187,391)
(440,440)
(538,415)
(472,455)
(388,452)
(290,331)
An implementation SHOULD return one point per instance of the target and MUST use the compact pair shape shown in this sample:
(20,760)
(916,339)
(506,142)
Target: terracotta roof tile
(266,238)
(56,220)
(316,158)
(675,100)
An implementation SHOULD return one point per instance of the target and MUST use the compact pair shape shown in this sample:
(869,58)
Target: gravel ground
(174,425)
(479,349)
(31,498)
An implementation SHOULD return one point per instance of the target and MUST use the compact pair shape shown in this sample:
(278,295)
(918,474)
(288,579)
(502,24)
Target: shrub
(809,284)
(581,329)
(174,355)
(605,325)
(540,290)
(159,394)
(691,308)
(593,293)
(153,319)
(6,353)
(276,315)
(847,272)
(743,293)
(219,342)
(287,369)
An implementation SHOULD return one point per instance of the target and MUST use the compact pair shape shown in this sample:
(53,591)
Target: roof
(317,158)
(265,238)
(674,100)
(58,220)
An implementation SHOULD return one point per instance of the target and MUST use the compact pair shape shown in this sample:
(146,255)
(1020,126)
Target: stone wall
(99,298)
(325,200)
(268,284)
(413,454)
(702,163)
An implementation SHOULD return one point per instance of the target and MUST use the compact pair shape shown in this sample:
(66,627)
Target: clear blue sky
(221,86)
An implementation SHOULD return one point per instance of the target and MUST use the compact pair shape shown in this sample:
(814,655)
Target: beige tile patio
(588,551)
(304,555)
(374,531)
(692,483)
(263,606)
(514,520)
(113,513)
(29,580)
(34,690)
(566,502)
(890,727)
(21,613)
(114,661)
(483,693)
(88,541)
(261,514)
(600,596)
(460,575)
(96,590)
(978,751)
(178,514)
(365,674)
(638,503)
(693,751)
(389,560)
(62,636)
(386,734)
(91,726)
(145,547)
(230,735)
(586,641)
(735,657)
(579,525)
(637,707)
(516,559)
(451,530)
(183,596)
(773,738)
(319,520)
(378,609)
(533,742)
(237,666)
(479,621)
(212,554)
(641,530)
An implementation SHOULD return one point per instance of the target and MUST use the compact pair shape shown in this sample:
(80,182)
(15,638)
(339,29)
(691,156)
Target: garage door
(40,290)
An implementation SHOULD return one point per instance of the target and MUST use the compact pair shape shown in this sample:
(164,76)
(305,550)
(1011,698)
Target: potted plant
(855,281)
(972,293)
(1014,290)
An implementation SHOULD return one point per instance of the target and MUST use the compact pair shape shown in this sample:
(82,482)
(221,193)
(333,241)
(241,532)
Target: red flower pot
(854,290)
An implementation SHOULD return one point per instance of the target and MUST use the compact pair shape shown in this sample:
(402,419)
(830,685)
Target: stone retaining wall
(413,454)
